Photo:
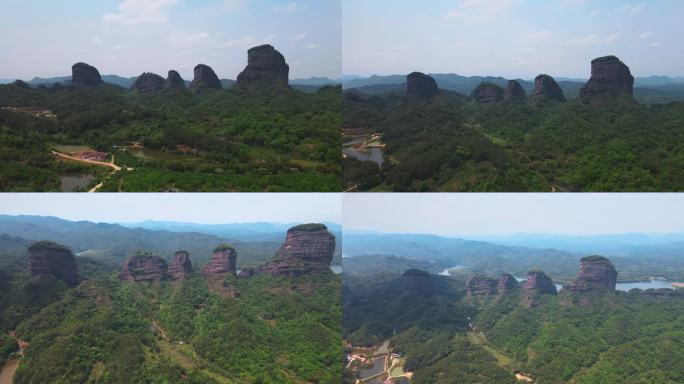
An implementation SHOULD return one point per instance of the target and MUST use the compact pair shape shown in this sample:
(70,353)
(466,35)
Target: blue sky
(511,38)
(204,208)
(467,214)
(126,37)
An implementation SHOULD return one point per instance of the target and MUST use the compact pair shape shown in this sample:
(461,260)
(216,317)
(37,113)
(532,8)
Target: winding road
(115,168)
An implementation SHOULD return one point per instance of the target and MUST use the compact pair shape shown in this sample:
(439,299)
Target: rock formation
(48,258)
(514,91)
(144,267)
(174,81)
(223,261)
(480,285)
(181,265)
(546,88)
(538,281)
(84,75)
(421,85)
(148,82)
(596,274)
(265,66)
(507,283)
(205,77)
(609,77)
(488,92)
(308,248)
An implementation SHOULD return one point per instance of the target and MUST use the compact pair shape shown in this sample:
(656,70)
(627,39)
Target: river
(8,370)
(446,271)
(624,287)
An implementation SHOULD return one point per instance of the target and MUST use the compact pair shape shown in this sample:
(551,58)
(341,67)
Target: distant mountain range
(127,82)
(652,89)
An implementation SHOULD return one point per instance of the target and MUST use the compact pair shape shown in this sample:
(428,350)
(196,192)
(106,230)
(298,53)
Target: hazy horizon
(129,37)
(194,208)
(495,214)
(511,38)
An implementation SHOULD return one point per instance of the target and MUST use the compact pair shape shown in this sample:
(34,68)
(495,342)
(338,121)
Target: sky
(127,37)
(511,38)
(476,214)
(202,208)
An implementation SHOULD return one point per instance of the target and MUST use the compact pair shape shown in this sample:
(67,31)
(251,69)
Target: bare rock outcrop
(148,82)
(308,248)
(610,77)
(514,91)
(487,92)
(546,88)
(596,274)
(174,81)
(223,261)
(265,67)
(49,258)
(480,285)
(539,282)
(421,85)
(181,266)
(144,267)
(507,283)
(205,78)
(84,75)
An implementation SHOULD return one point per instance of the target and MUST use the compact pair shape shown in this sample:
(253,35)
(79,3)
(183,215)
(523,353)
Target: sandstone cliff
(48,258)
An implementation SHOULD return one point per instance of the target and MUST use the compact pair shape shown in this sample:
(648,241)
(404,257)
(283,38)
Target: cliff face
(546,88)
(84,75)
(421,85)
(265,66)
(181,265)
(514,91)
(223,261)
(596,274)
(538,281)
(48,258)
(144,267)
(480,285)
(174,81)
(308,248)
(507,283)
(205,77)
(148,82)
(488,93)
(610,77)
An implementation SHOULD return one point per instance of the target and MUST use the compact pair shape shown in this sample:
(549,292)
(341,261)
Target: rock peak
(538,281)
(205,78)
(546,88)
(84,75)
(609,77)
(308,248)
(174,81)
(266,67)
(49,258)
(514,91)
(506,284)
(596,274)
(480,285)
(181,266)
(421,85)
(487,92)
(148,82)
(223,261)
(144,266)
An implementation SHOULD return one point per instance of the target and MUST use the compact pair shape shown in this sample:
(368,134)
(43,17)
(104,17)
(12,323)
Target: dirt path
(115,168)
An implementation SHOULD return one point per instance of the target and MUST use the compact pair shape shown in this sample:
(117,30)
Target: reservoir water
(373,154)
(70,182)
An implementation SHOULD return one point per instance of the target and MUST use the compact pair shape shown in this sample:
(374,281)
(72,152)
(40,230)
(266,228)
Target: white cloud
(313,45)
(116,48)
(289,8)
(594,39)
(248,41)
(232,5)
(644,35)
(300,36)
(633,8)
(656,44)
(477,10)
(95,41)
(141,11)
(538,37)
